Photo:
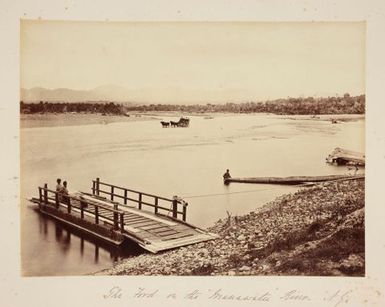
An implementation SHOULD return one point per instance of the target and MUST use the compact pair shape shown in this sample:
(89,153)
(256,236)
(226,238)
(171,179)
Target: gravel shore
(76,119)
(317,231)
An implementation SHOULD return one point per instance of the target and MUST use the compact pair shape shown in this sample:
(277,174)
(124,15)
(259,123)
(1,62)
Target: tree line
(291,106)
(66,107)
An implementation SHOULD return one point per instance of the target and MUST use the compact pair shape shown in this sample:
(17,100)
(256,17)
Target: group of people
(62,190)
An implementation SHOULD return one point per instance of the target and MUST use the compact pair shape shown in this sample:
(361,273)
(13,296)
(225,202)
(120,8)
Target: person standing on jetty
(64,189)
(59,187)
(64,192)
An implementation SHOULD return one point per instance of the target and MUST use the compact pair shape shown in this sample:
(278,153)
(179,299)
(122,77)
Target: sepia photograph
(192,148)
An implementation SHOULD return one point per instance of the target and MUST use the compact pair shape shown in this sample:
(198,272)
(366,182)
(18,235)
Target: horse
(174,124)
(165,124)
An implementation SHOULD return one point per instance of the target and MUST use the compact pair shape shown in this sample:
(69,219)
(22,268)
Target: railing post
(97,184)
(69,205)
(122,222)
(96,214)
(156,204)
(57,200)
(93,187)
(125,197)
(45,194)
(112,192)
(184,212)
(140,201)
(175,208)
(40,195)
(116,225)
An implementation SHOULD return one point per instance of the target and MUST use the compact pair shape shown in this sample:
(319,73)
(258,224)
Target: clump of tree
(291,106)
(80,107)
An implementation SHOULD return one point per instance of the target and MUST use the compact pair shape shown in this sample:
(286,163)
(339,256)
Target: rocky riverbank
(317,231)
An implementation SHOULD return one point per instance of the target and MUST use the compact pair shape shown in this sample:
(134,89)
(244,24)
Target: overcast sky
(196,62)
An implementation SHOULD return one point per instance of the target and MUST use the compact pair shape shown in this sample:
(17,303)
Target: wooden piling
(82,210)
(175,208)
(121,222)
(57,200)
(116,222)
(93,187)
(140,201)
(45,194)
(184,212)
(97,184)
(40,195)
(125,196)
(96,215)
(156,205)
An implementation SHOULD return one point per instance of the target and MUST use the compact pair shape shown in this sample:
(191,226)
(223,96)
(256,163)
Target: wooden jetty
(342,156)
(115,214)
(293,180)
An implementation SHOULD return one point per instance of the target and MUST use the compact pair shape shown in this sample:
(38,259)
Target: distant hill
(102,93)
(143,96)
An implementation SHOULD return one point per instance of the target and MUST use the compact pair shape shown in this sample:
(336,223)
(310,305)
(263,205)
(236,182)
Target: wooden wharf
(115,214)
(342,156)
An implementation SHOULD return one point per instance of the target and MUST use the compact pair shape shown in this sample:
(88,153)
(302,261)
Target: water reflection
(81,247)
(64,233)
(58,233)
(73,252)
(96,260)
(43,226)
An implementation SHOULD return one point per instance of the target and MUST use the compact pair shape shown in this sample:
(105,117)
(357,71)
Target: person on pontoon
(226,175)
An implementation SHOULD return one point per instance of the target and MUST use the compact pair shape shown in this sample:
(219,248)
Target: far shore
(80,119)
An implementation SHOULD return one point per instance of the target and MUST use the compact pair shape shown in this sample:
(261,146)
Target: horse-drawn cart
(183,122)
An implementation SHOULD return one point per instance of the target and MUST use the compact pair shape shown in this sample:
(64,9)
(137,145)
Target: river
(188,162)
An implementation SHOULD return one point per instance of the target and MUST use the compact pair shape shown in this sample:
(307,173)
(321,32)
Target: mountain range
(120,94)
(100,93)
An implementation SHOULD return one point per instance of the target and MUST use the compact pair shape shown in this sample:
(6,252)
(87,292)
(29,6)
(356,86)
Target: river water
(188,162)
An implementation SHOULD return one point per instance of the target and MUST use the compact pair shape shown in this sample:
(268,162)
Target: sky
(196,61)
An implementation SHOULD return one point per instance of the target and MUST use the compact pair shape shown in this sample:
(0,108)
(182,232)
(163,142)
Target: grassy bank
(317,231)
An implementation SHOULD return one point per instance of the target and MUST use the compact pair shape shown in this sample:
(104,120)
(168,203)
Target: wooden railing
(159,204)
(57,199)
